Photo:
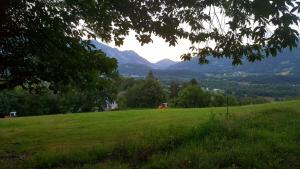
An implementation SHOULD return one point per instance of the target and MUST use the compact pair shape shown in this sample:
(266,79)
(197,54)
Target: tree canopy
(41,45)
(148,94)
(193,96)
(45,41)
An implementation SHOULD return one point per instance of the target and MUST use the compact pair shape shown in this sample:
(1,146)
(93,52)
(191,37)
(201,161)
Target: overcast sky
(157,50)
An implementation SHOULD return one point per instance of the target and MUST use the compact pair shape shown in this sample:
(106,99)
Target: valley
(277,77)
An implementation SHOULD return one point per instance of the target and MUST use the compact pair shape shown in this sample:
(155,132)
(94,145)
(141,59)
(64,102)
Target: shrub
(193,96)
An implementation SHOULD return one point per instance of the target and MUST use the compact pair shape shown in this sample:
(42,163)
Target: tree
(40,46)
(218,100)
(148,94)
(150,76)
(124,83)
(8,102)
(232,100)
(193,96)
(42,41)
(193,82)
(174,90)
(71,100)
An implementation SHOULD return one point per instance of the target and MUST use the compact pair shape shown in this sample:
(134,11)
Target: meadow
(256,136)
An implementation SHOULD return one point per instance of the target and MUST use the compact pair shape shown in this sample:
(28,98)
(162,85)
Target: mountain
(123,57)
(285,63)
(215,66)
(134,70)
(165,63)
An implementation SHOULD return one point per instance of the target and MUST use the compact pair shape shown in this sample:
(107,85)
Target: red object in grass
(163,106)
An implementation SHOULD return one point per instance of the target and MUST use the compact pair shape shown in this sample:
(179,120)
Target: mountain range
(287,63)
(123,57)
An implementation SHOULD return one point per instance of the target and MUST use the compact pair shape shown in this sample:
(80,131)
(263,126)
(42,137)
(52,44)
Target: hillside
(257,136)
(285,66)
(123,57)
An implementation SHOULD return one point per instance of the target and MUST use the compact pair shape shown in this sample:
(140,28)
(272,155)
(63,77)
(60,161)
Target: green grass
(256,136)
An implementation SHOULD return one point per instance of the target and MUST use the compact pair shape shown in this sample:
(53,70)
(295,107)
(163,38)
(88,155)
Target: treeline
(127,92)
(150,93)
(47,102)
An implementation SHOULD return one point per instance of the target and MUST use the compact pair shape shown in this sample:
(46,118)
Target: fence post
(227,113)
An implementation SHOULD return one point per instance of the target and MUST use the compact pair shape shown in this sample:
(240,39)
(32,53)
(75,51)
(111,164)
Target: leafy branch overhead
(226,28)
(45,41)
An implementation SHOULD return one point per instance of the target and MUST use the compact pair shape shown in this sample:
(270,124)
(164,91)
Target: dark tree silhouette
(42,40)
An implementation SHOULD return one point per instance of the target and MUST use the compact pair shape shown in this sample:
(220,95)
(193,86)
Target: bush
(232,100)
(217,100)
(46,103)
(148,94)
(193,96)
(26,104)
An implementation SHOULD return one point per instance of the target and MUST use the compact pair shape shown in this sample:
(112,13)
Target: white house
(111,106)
(12,114)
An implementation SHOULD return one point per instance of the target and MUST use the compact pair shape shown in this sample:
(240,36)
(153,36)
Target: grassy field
(257,136)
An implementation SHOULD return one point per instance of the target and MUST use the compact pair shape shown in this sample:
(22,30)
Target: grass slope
(257,136)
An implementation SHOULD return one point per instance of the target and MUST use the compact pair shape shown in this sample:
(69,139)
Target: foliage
(47,102)
(150,76)
(183,95)
(148,94)
(42,41)
(41,46)
(28,104)
(193,82)
(174,90)
(193,96)
(122,101)
(232,100)
(218,100)
(250,100)
(124,83)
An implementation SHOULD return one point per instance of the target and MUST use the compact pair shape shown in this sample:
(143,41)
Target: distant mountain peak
(165,63)
(286,63)
(131,57)
(130,51)
(123,57)
(166,60)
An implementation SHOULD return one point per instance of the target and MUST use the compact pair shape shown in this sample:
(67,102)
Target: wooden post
(227,106)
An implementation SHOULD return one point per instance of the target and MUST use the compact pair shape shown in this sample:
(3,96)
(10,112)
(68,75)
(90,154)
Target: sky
(157,50)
